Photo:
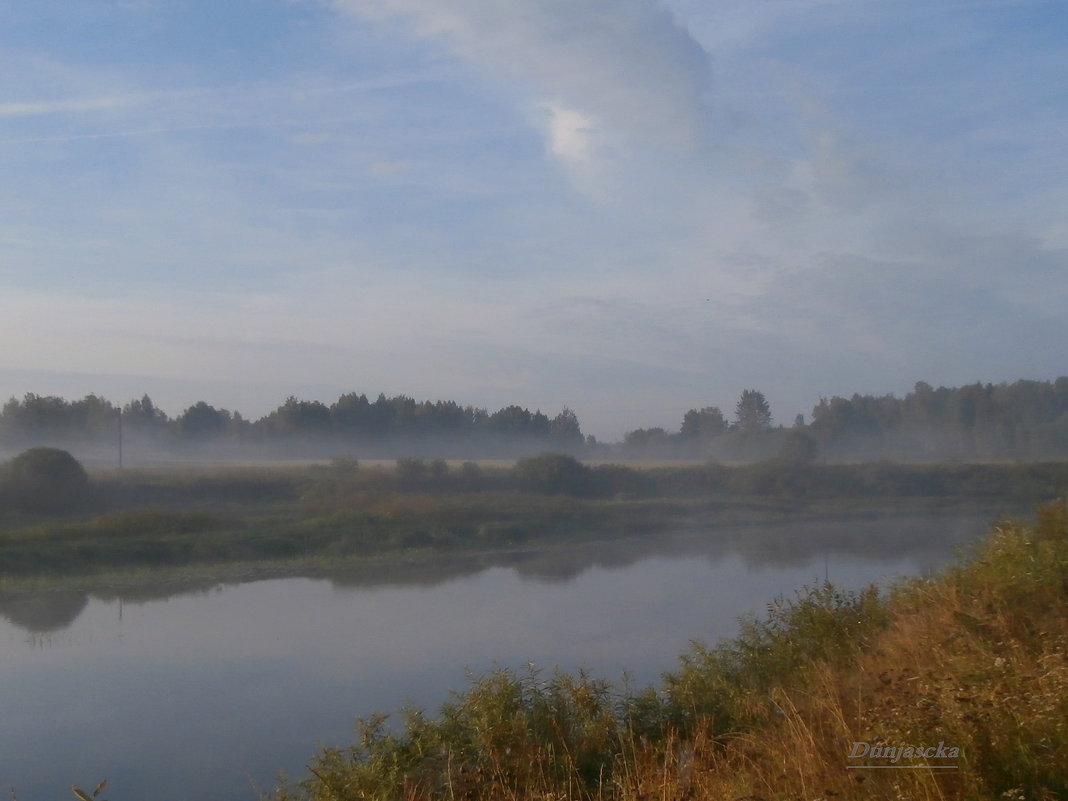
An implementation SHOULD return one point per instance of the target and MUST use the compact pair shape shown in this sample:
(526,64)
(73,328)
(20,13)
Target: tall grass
(975,658)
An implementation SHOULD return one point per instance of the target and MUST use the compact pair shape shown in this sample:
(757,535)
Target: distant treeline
(295,427)
(1025,419)
(1022,420)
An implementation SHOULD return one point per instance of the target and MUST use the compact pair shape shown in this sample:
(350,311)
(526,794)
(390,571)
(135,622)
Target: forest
(1021,420)
(1025,419)
(387,426)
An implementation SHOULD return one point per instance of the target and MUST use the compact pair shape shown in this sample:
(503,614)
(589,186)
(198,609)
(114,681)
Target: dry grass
(976,659)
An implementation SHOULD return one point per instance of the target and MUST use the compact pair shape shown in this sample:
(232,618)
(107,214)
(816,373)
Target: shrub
(526,733)
(610,480)
(554,474)
(412,474)
(45,480)
(471,478)
(728,685)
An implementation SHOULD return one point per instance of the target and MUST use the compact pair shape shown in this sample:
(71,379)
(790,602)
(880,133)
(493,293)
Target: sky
(627,207)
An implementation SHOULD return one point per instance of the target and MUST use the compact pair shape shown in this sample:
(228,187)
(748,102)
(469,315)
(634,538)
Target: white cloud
(608,72)
(570,133)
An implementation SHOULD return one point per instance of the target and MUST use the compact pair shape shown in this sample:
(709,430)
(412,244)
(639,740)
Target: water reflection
(45,612)
(930,539)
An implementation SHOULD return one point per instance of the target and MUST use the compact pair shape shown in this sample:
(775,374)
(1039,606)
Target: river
(207,691)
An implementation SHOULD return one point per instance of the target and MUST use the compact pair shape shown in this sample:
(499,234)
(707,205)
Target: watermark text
(901,756)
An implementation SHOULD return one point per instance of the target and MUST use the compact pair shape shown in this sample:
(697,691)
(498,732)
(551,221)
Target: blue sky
(629,207)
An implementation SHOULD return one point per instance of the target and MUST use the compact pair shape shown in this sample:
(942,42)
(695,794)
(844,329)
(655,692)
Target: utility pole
(120,438)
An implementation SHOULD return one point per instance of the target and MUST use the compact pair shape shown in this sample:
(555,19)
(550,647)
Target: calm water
(209,692)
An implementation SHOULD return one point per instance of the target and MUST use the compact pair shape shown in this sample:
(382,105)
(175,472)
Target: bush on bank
(44,481)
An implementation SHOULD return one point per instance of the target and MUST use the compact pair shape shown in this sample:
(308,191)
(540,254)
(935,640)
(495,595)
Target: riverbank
(303,517)
(950,687)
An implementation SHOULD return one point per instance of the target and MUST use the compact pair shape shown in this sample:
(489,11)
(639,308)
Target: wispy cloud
(46,107)
(122,134)
(605,72)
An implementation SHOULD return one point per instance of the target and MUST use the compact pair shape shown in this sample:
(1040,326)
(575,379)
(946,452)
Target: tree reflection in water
(931,538)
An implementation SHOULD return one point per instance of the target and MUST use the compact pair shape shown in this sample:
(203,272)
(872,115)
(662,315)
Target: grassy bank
(138,519)
(975,659)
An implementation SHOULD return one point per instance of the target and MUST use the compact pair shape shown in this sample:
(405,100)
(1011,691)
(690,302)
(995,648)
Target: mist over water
(206,691)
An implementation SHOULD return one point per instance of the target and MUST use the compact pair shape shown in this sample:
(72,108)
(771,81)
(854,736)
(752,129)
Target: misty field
(310,515)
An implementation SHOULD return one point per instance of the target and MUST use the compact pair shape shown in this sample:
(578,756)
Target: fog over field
(631,208)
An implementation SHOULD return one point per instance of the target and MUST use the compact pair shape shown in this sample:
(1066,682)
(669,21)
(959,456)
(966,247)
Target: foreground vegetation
(975,659)
(136,519)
